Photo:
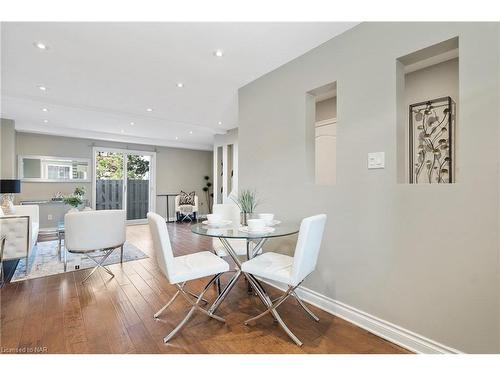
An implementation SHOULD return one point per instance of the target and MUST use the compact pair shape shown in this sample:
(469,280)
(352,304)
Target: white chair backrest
(307,249)
(228,211)
(161,243)
(92,230)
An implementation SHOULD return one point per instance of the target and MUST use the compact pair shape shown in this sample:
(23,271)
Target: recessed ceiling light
(149,109)
(45,110)
(42,88)
(176,138)
(218,53)
(190,132)
(220,122)
(45,121)
(180,85)
(132,123)
(41,45)
(122,131)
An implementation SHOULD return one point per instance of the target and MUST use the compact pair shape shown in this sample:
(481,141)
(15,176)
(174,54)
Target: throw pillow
(186,198)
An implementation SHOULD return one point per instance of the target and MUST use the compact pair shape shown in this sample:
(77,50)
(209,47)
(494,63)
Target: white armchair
(21,231)
(91,231)
(183,211)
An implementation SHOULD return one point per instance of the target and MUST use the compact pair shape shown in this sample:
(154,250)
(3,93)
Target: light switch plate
(376,160)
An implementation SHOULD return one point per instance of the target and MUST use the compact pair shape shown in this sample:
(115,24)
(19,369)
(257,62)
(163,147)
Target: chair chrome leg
(227,289)
(179,326)
(303,305)
(166,306)
(2,279)
(195,306)
(219,288)
(267,302)
(100,265)
(196,296)
(121,254)
(271,308)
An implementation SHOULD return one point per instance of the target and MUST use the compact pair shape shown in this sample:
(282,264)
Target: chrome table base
(257,287)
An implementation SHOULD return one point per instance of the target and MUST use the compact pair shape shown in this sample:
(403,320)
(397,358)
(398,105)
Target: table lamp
(7,189)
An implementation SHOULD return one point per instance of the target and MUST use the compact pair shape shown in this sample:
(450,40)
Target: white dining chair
(179,270)
(231,212)
(289,270)
(87,232)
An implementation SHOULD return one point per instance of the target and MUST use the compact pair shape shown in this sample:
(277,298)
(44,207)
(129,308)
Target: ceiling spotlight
(132,123)
(149,109)
(180,85)
(218,53)
(45,110)
(41,45)
(190,132)
(45,121)
(220,122)
(122,131)
(176,138)
(42,88)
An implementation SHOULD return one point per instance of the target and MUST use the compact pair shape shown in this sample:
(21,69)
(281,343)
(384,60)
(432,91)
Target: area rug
(44,261)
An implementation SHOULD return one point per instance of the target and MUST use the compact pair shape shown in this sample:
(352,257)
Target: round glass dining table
(280,230)
(254,242)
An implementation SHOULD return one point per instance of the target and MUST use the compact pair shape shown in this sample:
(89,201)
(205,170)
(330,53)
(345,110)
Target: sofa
(21,231)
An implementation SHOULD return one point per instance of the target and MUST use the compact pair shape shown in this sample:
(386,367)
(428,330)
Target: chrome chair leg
(218,286)
(166,306)
(303,305)
(272,307)
(227,289)
(99,265)
(194,306)
(267,302)
(173,299)
(121,254)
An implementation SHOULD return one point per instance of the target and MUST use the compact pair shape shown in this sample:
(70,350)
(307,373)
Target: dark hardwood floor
(59,314)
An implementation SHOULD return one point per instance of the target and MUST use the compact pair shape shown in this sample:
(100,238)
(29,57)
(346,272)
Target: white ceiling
(102,76)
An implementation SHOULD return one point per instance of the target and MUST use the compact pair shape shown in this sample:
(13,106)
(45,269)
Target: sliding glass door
(124,179)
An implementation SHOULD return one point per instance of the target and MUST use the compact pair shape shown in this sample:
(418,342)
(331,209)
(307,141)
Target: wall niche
(325,133)
(427,97)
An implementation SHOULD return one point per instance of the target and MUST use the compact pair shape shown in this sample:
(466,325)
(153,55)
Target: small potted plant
(75,199)
(247,202)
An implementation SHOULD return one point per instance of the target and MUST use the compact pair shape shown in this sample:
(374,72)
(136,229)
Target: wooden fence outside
(109,196)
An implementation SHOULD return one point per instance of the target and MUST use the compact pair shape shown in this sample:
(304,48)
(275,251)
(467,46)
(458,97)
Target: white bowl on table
(214,218)
(268,218)
(256,225)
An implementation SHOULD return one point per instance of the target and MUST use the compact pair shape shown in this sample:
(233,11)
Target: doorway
(124,180)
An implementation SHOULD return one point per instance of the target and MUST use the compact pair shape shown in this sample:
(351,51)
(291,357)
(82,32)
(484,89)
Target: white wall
(424,257)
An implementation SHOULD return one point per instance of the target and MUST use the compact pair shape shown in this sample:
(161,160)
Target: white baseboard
(391,332)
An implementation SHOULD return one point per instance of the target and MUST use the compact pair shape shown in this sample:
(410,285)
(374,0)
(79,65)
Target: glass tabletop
(280,230)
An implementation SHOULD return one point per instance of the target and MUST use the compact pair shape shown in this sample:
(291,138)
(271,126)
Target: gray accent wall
(176,169)
(7,149)
(423,257)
